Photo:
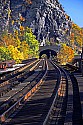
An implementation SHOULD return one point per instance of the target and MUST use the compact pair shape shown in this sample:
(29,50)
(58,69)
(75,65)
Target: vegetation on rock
(67,52)
(76,38)
(21,43)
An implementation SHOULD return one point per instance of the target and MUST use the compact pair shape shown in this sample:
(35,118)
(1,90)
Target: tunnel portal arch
(49,52)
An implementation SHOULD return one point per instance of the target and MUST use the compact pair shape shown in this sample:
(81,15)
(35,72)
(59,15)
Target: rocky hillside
(4,15)
(47,18)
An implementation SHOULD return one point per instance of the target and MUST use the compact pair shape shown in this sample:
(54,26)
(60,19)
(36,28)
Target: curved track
(66,108)
(57,112)
(74,110)
(74,103)
(52,99)
(35,109)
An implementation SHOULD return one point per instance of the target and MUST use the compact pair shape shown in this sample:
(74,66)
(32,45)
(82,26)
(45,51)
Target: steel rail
(47,117)
(18,76)
(20,69)
(7,113)
(46,121)
(21,90)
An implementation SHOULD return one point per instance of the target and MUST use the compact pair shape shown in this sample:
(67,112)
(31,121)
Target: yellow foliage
(8,39)
(25,49)
(21,44)
(29,1)
(12,22)
(21,28)
(9,12)
(66,54)
(22,18)
(67,17)
(15,54)
(76,37)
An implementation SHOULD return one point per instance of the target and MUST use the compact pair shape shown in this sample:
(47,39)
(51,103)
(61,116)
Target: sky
(74,8)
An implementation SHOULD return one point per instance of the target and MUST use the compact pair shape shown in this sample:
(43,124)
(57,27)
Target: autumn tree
(76,37)
(7,39)
(24,48)
(15,54)
(66,54)
(32,42)
(4,54)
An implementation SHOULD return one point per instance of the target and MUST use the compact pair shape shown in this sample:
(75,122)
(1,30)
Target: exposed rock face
(4,15)
(46,18)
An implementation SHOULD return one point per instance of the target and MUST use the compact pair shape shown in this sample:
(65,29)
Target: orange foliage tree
(25,49)
(76,37)
(8,39)
(66,54)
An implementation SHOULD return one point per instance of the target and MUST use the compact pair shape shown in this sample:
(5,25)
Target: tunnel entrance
(50,53)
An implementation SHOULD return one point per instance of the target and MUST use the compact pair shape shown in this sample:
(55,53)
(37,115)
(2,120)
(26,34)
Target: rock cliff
(47,19)
(4,15)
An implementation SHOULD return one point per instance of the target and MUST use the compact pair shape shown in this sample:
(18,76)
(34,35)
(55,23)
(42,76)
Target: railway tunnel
(49,53)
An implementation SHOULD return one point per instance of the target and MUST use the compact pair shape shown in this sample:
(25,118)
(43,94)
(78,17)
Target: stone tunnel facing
(49,53)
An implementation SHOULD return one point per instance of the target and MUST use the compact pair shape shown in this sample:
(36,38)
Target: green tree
(25,49)
(32,42)
(5,54)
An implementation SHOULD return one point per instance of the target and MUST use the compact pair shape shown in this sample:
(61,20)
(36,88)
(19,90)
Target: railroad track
(71,68)
(35,109)
(57,112)
(8,74)
(75,104)
(16,77)
(74,110)
(20,89)
(53,100)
